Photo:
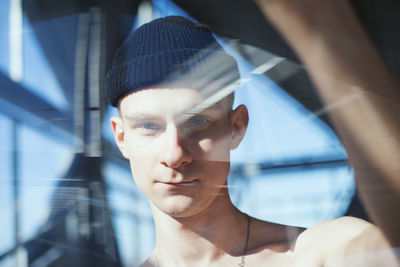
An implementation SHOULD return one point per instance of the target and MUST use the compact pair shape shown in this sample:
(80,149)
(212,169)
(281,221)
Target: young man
(177,131)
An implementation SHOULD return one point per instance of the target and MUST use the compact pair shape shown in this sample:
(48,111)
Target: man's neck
(206,236)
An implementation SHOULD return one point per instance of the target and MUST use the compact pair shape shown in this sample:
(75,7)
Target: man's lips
(182,183)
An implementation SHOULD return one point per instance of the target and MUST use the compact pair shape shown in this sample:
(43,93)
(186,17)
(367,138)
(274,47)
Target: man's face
(178,158)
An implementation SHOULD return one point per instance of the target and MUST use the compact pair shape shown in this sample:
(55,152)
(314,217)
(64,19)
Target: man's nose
(175,152)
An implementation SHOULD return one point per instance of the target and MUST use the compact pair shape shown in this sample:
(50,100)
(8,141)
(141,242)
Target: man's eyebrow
(200,108)
(181,118)
(139,116)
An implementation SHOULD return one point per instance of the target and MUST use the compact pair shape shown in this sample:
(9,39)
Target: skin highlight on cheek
(218,151)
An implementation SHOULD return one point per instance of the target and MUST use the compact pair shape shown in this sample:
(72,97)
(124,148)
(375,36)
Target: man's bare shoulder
(338,229)
(341,231)
(322,237)
(345,239)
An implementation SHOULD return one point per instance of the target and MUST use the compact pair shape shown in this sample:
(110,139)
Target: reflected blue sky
(280,128)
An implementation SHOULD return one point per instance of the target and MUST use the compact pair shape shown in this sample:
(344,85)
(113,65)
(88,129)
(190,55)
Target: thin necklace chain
(242,260)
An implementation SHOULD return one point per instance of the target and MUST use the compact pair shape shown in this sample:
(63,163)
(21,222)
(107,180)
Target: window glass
(7,240)
(4,36)
(8,261)
(280,128)
(290,168)
(43,163)
(295,196)
(39,76)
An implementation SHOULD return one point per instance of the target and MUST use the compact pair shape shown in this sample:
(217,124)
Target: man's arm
(359,89)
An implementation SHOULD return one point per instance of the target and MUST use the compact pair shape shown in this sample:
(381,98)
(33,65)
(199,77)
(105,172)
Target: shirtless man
(178,144)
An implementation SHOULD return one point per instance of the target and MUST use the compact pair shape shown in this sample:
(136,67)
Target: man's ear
(119,134)
(239,121)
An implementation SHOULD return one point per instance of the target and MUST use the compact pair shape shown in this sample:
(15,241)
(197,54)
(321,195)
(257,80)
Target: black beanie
(164,50)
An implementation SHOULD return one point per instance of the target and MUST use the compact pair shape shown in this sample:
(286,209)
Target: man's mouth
(183,183)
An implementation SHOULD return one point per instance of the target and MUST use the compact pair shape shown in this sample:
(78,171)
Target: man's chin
(178,206)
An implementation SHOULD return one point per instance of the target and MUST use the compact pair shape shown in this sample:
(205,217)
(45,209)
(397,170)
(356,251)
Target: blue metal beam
(24,106)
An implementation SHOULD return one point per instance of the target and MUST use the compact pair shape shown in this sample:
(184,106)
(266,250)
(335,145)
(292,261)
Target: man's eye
(197,123)
(149,128)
